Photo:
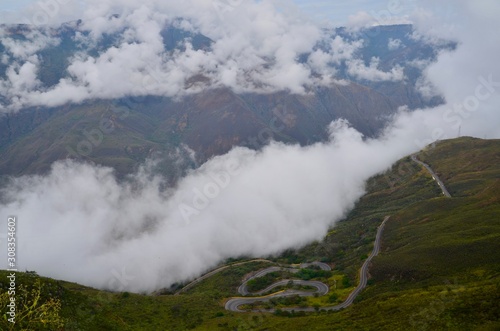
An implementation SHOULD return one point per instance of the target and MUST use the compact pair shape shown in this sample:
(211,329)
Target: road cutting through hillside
(434,176)
(233,304)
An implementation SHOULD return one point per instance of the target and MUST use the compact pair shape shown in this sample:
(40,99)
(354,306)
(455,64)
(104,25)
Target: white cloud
(21,78)
(394,44)
(25,76)
(359,70)
(468,78)
(248,203)
(388,16)
(256,48)
(36,40)
(360,20)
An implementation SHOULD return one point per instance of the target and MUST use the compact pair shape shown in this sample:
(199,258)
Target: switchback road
(233,304)
(292,269)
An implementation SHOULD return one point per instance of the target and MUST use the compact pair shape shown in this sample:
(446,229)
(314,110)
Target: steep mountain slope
(210,123)
(438,268)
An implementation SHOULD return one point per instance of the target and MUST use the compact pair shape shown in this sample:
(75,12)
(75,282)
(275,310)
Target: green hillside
(438,269)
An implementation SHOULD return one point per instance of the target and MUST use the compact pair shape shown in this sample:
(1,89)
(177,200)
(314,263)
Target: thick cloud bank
(257,46)
(79,224)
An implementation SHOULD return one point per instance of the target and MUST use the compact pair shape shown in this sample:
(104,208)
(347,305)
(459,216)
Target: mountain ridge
(209,122)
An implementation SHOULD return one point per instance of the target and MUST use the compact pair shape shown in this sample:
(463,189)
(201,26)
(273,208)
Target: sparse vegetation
(37,307)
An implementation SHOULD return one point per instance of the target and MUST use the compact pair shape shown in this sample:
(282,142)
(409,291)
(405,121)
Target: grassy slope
(438,270)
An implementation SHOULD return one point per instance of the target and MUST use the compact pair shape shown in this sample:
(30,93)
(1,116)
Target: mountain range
(123,132)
